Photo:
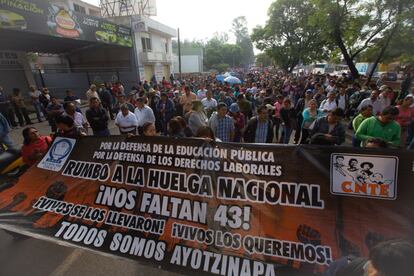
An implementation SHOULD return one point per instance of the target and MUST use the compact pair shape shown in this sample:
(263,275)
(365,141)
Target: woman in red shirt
(34,145)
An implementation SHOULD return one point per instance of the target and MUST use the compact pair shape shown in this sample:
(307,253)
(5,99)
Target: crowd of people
(268,107)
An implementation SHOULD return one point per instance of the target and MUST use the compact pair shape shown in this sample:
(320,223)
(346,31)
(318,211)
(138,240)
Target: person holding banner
(328,130)
(384,127)
(66,127)
(222,124)
(126,121)
(148,130)
(259,129)
(34,145)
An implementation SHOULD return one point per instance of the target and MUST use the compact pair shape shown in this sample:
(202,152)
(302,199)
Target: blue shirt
(224,128)
(4,126)
(261,132)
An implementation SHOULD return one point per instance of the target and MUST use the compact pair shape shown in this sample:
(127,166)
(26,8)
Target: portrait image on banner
(364,176)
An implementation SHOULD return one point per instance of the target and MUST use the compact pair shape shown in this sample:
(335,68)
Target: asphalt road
(39,258)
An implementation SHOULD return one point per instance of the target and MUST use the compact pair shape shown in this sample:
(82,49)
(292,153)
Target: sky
(200,19)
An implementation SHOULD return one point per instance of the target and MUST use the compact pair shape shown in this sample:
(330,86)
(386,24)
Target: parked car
(390,76)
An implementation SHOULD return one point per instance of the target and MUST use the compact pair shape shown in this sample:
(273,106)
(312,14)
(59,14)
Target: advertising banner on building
(49,18)
(196,206)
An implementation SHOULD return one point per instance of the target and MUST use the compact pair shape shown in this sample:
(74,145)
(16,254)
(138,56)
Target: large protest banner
(190,205)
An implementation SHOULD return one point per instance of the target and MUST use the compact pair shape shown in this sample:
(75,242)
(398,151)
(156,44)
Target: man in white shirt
(126,121)
(209,103)
(144,114)
(373,101)
(329,103)
(201,93)
(384,96)
(331,87)
(78,118)
(34,95)
(253,90)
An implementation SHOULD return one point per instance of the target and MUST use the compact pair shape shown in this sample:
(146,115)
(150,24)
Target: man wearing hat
(239,121)
(384,96)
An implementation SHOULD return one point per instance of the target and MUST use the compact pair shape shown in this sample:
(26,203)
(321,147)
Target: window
(146,44)
(79,8)
(166,47)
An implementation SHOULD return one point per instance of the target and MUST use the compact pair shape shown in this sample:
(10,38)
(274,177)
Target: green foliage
(219,54)
(243,40)
(263,59)
(362,29)
(289,36)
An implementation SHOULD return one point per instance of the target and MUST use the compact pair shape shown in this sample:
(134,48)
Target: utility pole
(179,52)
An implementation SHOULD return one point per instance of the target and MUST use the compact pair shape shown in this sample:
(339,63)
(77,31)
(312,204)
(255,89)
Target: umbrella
(220,78)
(232,80)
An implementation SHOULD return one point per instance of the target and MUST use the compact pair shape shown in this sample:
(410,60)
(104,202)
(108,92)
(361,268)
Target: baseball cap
(234,107)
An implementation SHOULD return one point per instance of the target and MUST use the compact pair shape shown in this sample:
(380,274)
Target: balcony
(154,57)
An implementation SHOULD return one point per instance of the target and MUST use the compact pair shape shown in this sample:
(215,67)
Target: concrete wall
(189,64)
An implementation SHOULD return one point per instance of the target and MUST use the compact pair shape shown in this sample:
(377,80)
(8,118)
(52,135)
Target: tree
(243,40)
(354,26)
(288,36)
(263,59)
(220,55)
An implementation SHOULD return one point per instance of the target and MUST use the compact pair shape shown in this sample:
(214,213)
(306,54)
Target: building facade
(79,6)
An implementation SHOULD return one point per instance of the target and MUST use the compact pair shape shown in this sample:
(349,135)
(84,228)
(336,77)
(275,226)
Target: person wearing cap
(222,124)
(187,99)
(259,129)
(239,121)
(384,96)
(126,121)
(209,103)
(144,114)
(329,103)
(373,101)
(165,109)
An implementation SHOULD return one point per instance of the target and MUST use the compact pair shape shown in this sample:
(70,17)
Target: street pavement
(33,257)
